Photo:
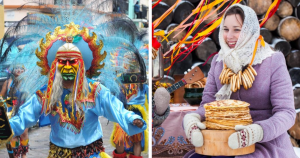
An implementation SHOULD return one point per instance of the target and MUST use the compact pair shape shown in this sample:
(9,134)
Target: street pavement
(39,141)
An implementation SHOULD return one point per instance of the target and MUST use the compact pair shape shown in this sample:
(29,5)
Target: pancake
(226,114)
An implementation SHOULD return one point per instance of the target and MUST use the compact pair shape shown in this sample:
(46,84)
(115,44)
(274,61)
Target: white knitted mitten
(191,124)
(245,136)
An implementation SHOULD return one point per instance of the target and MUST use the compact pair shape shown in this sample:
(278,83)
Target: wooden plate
(216,144)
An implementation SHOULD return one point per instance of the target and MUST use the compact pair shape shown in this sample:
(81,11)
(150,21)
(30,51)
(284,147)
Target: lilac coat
(271,104)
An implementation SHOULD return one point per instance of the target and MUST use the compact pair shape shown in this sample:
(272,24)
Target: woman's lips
(231,44)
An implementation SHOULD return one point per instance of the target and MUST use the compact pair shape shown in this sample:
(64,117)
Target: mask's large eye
(62,61)
(73,61)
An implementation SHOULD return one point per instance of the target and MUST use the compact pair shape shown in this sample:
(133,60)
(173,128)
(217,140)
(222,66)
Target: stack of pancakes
(225,114)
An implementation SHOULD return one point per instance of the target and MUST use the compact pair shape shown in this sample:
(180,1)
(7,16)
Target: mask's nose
(68,66)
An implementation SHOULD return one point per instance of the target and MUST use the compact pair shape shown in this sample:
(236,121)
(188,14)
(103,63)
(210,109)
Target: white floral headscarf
(241,55)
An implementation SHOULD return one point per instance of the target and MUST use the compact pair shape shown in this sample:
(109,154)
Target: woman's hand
(245,136)
(192,125)
(137,122)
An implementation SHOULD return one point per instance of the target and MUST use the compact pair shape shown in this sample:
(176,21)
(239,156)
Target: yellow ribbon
(270,8)
(209,6)
(162,34)
(104,155)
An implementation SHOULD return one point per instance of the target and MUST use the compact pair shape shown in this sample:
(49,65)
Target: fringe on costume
(19,147)
(119,134)
(82,151)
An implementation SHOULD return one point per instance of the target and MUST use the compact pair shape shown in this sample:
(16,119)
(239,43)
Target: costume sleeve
(110,107)
(27,115)
(146,89)
(210,89)
(282,100)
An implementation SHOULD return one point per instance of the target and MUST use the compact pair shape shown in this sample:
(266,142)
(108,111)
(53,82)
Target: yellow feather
(104,155)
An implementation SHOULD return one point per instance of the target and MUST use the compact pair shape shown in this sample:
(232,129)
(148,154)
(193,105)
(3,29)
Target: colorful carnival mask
(68,45)
(68,59)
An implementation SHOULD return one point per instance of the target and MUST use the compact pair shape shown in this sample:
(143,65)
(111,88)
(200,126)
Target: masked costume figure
(18,144)
(135,94)
(72,98)
(11,97)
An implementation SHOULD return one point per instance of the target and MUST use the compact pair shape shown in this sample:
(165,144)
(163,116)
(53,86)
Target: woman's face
(232,29)
(18,71)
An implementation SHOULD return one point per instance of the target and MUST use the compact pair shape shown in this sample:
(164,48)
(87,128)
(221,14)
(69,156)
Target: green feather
(77,38)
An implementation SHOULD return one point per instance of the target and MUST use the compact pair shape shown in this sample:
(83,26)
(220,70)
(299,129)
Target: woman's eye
(237,30)
(226,30)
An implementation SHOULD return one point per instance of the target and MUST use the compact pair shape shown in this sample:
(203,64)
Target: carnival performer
(270,97)
(135,93)
(18,146)
(72,99)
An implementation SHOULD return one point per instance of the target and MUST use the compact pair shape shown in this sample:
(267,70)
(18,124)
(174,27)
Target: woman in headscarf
(270,95)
